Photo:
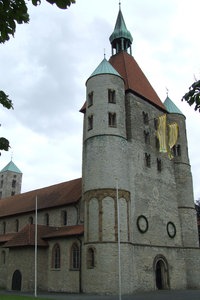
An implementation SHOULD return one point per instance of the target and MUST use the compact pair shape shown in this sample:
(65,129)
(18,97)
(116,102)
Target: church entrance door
(161,274)
(16,280)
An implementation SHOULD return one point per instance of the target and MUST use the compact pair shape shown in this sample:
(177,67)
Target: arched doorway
(17,281)
(161,273)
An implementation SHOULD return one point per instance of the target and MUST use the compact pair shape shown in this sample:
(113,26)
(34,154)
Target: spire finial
(119,4)
(167,91)
(104,53)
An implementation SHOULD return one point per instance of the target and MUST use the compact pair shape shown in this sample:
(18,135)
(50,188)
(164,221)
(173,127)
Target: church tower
(139,217)
(10,180)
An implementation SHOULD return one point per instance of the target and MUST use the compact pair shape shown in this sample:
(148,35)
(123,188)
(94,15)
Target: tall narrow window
(179,150)
(75,257)
(46,219)
(157,144)
(111,96)
(146,137)
(4,227)
(145,118)
(159,164)
(56,257)
(112,122)
(3,257)
(156,123)
(90,258)
(1,183)
(16,225)
(148,160)
(13,183)
(64,217)
(90,99)
(90,122)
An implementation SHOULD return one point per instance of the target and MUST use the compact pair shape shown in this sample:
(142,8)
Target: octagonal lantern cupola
(121,39)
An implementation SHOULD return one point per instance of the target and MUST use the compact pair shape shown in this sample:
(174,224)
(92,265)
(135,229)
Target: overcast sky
(45,67)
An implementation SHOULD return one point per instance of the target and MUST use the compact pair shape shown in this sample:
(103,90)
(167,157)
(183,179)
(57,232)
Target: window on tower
(146,137)
(112,122)
(145,118)
(1,184)
(111,96)
(90,99)
(13,183)
(148,160)
(159,164)
(90,122)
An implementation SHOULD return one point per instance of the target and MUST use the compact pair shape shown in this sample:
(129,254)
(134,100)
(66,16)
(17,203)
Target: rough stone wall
(23,259)
(55,218)
(64,279)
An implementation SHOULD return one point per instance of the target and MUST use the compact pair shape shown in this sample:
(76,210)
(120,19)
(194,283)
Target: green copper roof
(171,107)
(105,68)
(120,30)
(11,167)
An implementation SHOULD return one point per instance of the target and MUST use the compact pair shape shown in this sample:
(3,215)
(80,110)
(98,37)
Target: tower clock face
(171,229)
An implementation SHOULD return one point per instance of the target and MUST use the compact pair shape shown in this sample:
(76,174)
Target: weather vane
(167,91)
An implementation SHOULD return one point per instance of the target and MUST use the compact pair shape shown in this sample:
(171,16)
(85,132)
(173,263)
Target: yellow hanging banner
(162,133)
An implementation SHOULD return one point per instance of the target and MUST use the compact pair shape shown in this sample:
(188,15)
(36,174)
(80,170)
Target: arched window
(91,258)
(75,257)
(56,257)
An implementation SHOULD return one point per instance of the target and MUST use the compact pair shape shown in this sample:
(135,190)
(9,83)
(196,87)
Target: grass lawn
(16,297)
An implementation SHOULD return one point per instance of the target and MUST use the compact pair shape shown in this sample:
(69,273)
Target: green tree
(193,96)
(13,12)
(7,103)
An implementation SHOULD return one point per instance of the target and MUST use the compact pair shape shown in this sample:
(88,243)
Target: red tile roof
(56,195)
(6,237)
(65,231)
(135,80)
(26,236)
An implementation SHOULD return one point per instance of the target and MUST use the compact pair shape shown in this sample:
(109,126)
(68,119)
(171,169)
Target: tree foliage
(14,12)
(193,96)
(7,103)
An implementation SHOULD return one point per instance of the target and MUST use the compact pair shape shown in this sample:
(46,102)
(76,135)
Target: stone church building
(135,198)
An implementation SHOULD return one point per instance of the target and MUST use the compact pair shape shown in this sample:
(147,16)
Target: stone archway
(16,280)
(161,273)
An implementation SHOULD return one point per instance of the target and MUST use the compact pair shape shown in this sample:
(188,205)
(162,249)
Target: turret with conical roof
(10,180)
(171,107)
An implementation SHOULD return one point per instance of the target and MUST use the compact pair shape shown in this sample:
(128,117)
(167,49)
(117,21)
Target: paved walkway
(156,295)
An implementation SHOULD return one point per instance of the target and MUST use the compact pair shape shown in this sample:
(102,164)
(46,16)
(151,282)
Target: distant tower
(10,180)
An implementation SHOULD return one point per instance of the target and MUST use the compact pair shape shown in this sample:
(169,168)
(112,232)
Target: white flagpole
(119,239)
(36,246)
